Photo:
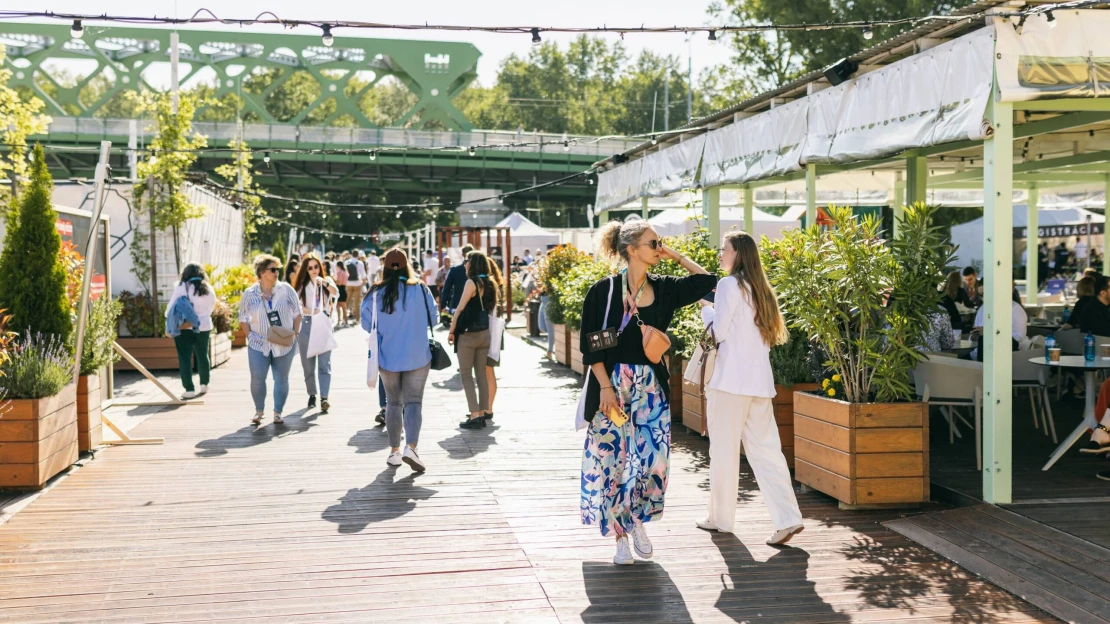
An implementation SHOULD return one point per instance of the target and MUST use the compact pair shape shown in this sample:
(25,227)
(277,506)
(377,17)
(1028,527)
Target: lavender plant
(38,366)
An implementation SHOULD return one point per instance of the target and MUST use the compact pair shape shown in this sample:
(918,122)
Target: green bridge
(83,81)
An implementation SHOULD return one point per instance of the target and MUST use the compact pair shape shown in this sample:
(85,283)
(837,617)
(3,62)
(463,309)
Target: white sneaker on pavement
(641,543)
(202,389)
(783,536)
(706,525)
(624,553)
(189,394)
(413,460)
(394,459)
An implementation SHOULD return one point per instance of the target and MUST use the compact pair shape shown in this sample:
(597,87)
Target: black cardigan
(671,293)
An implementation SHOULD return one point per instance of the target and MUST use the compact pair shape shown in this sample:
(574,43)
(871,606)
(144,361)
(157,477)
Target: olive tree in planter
(864,301)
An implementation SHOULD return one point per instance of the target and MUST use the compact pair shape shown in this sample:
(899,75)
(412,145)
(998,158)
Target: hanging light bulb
(566,146)
(373,155)
(500,199)
(590,181)
(712,35)
(154,159)
(654,141)
(398,215)
(266,157)
(868,33)
(327,39)
(1051,19)
(359,215)
(558,213)
(536,40)
(77,30)
(289,215)
(471,151)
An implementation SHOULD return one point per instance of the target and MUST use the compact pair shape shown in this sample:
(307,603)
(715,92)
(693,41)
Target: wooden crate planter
(38,439)
(239,337)
(862,453)
(573,344)
(561,352)
(693,407)
(219,349)
(784,417)
(677,365)
(90,429)
(152,353)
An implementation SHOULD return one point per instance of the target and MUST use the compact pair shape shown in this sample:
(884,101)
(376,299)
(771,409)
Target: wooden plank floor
(1088,520)
(1058,572)
(305,523)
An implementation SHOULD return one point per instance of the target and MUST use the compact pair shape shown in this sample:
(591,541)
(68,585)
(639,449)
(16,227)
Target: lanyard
(630,310)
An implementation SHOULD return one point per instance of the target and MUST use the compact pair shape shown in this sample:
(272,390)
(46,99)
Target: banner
(1060,231)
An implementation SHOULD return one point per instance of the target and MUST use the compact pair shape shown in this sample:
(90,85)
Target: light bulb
(398,215)
(536,40)
(153,159)
(558,213)
(471,151)
(590,181)
(77,30)
(868,33)
(654,141)
(373,155)
(712,35)
(266,157)
(327,39)
(359,215)
(566,146)
(1051,19)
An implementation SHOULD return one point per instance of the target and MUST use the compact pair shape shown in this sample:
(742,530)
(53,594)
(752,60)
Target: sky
(494,47)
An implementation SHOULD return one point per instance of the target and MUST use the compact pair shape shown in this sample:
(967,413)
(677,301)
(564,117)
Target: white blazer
(743,365)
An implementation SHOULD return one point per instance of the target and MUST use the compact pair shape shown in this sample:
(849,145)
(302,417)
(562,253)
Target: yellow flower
(832,392)
(824,384)
(836,378)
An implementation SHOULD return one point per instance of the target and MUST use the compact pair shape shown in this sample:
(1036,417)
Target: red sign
(97,286)
(65,228)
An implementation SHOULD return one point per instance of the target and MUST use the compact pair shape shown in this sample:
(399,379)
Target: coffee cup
(957,333)
(1104,351)
(1054,355)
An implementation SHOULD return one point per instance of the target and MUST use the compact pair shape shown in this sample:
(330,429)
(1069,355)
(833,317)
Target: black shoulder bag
(440,359)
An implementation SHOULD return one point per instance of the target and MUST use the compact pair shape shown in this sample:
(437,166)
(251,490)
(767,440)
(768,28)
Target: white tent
(675,221)
(1053,223)
(527,235)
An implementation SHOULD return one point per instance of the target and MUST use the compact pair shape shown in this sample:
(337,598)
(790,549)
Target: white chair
(1070,342)
(1032,376)
(951,384)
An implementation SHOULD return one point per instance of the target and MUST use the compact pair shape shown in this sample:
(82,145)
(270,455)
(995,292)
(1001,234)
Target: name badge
(275,319)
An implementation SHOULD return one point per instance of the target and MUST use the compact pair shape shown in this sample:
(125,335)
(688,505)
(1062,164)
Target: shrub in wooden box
(561,353)
(575,353)
(693,407)
(862,453)
(38,439)
(239,337)
(90,429)
(784,417)
(677,365)
(152,353)
(219,349)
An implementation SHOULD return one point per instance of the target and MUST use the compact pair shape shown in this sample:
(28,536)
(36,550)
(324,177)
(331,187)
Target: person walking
(356,276)
(291,268)
(315,289)
(491,363)
(341,299)
(274,314)
(402,306)
(470,334)
(192,341)
(626,461)
(373,267)
(454,283)
(745,322)
(431,271)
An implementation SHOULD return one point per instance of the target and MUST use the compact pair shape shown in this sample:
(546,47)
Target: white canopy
(527,235)
(675,221)
(1053,223)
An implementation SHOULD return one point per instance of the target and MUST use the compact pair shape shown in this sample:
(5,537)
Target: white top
(743,365)
(1080,250)
(254,308)
(203,306)
(431,267)
(1017,316)
(310,305)
(373,266)
(356,280)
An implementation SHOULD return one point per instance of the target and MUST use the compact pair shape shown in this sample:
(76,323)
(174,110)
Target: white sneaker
(706,525)
(189,395)
(202,389)
(640,542)
(412,459)
(783,536)
(394,459)
(624,553)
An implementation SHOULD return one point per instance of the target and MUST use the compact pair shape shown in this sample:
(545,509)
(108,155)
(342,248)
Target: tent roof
(1046,217)
(521,225)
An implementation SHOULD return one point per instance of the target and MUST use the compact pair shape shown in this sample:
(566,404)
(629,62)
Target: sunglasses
(653,243)
(314,267)
(273,270)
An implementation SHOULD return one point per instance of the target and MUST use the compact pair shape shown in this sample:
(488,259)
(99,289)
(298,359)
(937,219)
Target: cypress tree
(32,277)
(279,252)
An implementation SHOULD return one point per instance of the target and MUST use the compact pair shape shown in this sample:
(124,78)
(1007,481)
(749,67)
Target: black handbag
(440,359)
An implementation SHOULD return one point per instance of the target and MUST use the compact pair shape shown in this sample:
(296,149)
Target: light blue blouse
(402,335)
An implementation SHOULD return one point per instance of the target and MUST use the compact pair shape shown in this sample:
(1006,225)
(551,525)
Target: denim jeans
(404,393)
(309,364)
(260,365)
(547,326)
(381,393)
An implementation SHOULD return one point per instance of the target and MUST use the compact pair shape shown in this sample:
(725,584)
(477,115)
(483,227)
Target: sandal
(257,420)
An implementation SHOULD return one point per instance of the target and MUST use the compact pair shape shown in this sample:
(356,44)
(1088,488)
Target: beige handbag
(281,336)
(700,368)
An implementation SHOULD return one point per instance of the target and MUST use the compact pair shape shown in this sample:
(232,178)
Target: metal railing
(219,133)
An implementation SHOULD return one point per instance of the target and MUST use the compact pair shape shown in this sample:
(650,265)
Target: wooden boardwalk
(305,523)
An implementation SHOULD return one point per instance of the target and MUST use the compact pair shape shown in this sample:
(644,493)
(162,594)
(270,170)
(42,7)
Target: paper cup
(1104,351)
(1054,355)
(956,334)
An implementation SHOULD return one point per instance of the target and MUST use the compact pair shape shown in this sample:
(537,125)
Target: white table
(1076,362)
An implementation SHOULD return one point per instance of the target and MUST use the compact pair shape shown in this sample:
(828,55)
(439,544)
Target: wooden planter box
(561,352)
(38,439)
(219,349)
(152,353)
(573,344)
(862,453)
(784,417)
(693,407)
(239,337)
(677,366)
(90,430)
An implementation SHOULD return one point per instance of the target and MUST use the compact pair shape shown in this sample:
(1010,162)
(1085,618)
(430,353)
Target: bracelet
(607,387)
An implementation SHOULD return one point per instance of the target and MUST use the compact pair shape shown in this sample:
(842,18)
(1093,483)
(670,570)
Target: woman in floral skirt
(625,465)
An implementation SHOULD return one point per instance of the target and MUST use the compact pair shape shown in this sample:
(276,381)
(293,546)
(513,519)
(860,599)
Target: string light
(77,30)
(373,155)
(1051,19)
(327,39)
(868,33)
(654,141)
(536,40)
(266,157)
(471,151)
(712,37)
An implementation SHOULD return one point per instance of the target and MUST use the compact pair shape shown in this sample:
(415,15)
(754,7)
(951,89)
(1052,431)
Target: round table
(1076,362)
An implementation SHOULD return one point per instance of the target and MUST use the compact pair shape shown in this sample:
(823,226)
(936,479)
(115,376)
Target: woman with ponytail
(626,461)
(745,322)
(470,334)
(195,289)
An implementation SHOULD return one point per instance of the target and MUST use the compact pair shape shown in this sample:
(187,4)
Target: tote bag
(700,368)
(580,421)
(372,346)
(320,338)
(496,330)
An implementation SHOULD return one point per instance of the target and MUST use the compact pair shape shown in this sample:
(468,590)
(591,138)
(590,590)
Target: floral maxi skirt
(625,469)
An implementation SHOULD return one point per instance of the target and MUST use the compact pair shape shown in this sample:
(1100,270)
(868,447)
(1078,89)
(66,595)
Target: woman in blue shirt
(403,307)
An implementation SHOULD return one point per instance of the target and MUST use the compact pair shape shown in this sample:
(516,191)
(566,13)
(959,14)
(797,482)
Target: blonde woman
(746,322)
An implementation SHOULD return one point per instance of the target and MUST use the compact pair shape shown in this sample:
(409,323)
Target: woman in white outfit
(746,322)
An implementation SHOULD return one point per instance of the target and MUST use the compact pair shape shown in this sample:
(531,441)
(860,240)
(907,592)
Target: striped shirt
(254,308)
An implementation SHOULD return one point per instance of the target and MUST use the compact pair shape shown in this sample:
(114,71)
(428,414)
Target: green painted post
(749,204)
(899,202)
(1032,240)
(644,208)
(1106,256)
(711,208)
(811,194)
(603,218)
(998,245)
(917,172)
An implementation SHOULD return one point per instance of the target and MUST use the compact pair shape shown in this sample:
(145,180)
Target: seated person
(954,294)
(938,335)
(1085,290)
(1019,330)
(1095,316)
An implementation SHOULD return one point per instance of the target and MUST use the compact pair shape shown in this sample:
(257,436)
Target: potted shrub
(572,289)
(142,333)
(38,431)
(863,301)
(219,342)
(96,355)
(229,284)
(551,270)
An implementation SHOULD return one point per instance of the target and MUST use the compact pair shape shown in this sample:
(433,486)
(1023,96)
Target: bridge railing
(219,133)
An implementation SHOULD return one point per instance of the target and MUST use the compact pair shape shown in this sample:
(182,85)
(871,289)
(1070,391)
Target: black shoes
(311,401)
(380,418)
(473,423)
(488,417)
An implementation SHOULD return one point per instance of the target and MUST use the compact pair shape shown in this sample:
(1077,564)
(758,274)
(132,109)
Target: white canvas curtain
(1067,61)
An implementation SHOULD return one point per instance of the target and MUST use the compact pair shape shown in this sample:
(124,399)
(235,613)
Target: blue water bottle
(1089,347)
(1049,344)
(1067,314)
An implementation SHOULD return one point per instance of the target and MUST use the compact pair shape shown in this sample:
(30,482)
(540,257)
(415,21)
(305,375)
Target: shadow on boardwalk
(384,499)
(643,592)
(251,435)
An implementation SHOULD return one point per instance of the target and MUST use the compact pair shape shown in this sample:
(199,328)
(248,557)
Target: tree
(278,250)
(20,117)
(32,278)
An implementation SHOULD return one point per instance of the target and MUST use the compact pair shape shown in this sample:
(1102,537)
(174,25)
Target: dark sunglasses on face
(653,243)
(273,270)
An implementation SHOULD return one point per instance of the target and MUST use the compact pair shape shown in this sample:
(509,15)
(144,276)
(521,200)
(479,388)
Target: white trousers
(735,419)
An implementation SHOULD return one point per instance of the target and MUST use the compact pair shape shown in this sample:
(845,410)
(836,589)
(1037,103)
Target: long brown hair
(952,285)
(748,272)
(478,269)
(498,280)
(396,271)
(300,279)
